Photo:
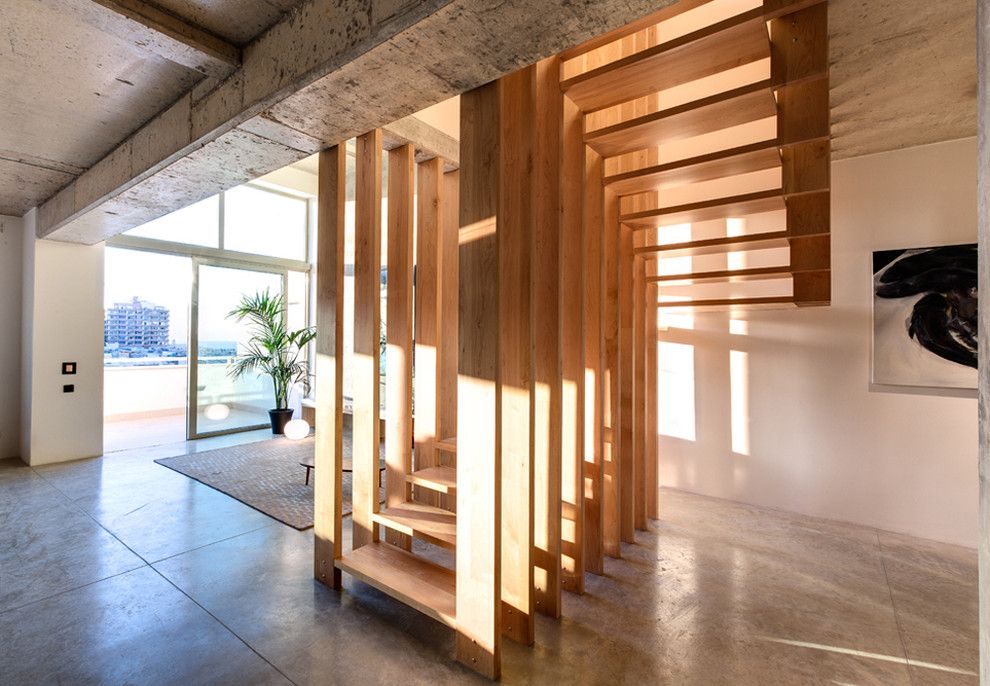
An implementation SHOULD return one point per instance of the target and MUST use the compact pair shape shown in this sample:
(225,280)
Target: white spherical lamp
(297,429)
(217,412)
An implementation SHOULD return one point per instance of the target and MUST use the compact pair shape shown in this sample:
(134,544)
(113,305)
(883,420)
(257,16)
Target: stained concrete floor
(117,570)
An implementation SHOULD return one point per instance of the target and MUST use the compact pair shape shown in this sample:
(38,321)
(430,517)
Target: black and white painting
(924,317)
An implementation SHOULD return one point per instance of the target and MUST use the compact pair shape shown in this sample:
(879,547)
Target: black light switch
(69,388)
(68,367)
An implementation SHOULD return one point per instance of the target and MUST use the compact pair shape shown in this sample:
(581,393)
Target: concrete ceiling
(903,73)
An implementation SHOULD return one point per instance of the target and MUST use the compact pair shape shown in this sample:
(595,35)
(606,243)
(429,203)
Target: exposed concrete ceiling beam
(429,141)
(161,33)
(328,71)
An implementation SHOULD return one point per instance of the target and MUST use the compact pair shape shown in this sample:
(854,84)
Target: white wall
(10,334)
(63,316)
(784,415)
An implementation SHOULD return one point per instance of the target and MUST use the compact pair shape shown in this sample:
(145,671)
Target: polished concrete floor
(117,570)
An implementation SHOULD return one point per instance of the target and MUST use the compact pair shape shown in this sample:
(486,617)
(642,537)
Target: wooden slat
(447,445)
(441,479)
(593,352)
(799,43)
(652,464)
(731,162)
(639,387)
(447,412)
(707,210)
(572,350)
(748,103)
(421,584)
(626,345)
(611,495)
(327,483)
(714,246)
(433,524)
(429,196)
(367,332)
(545,319)
(479,467)
(399,332)
(515,229)
(731,43)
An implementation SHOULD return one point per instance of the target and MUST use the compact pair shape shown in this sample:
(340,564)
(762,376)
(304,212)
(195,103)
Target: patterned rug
(265,475)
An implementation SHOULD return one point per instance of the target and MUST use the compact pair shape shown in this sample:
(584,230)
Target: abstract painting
(925,317)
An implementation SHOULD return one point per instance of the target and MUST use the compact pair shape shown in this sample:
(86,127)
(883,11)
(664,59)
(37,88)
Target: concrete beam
(160,33)
(329,71)
(429,142)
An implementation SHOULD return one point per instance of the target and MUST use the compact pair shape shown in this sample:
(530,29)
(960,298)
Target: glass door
(219,403)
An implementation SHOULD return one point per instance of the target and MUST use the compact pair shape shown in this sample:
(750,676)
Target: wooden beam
(638,383)
(612,476)
(399,334)
(367,337)
(429,200)
(546,337)
(652,313)
(594,389)
(515,344)
(572,452)
(479,465)
(327,486)
(160,33)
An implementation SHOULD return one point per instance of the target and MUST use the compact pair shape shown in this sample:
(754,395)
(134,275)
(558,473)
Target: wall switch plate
(68,367)
(69,388)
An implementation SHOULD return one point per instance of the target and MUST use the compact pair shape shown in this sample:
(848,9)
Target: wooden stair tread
(408,578)
(712,246)
(433,524)
(748,103)
(441,478)
(739,40)
(718,208)
(715,305)
(731,162)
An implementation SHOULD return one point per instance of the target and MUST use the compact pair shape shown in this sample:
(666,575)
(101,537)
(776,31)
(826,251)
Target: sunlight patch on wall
(739,399)
(675,390)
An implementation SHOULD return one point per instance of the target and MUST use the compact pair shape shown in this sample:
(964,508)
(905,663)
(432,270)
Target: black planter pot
(279,419)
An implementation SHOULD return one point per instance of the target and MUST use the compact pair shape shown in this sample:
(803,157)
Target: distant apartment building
(137,324)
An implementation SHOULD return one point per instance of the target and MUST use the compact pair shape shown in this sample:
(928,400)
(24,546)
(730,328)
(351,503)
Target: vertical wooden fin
(399,334)
(594,387)
(611,493)
(515,247)
(546,337)
(367,336)
(429,198)
(627,482)
(652,456)
(327,487)
(447,411)
(572,349)
(479,468)
(638,383)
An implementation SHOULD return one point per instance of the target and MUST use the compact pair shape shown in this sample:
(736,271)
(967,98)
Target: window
(198,224)
(263,222)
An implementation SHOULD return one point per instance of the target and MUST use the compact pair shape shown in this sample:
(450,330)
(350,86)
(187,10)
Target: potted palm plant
(272,350)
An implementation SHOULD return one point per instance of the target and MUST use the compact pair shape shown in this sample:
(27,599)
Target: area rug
(265,475)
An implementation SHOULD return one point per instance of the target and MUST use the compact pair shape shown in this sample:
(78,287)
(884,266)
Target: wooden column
(479,464)
(327,491)
(594,388)
(546,337)
(515,248)
(572,349)
(447,410)
(612,476)
(399,334)
(627,482)
(428,244)
(367,336)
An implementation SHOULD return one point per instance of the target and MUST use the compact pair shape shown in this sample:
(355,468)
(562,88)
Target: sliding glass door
(219,403)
